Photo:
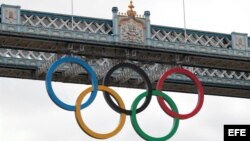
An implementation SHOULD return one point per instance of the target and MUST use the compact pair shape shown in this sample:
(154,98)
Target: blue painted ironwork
(52,26)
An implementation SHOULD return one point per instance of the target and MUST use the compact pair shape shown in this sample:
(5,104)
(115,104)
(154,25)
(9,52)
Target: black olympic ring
(144,76)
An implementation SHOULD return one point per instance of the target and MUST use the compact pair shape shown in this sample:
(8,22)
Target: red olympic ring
(200,92)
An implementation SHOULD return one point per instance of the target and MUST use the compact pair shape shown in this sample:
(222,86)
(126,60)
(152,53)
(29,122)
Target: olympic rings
(136,125)
(51,91)
(197,82)
(85,127)
(120,108)
(143,75)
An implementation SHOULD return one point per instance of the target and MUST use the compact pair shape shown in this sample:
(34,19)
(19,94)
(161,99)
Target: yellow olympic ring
(82,123)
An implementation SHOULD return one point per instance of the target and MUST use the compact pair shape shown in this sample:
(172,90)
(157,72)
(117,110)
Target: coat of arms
(11,16)
(132,28)
(131,31)
(240,42)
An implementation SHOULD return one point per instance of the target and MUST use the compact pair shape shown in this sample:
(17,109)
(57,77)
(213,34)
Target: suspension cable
(184,17)
(72,12)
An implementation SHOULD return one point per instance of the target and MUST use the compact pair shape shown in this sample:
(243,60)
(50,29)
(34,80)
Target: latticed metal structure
(31,41)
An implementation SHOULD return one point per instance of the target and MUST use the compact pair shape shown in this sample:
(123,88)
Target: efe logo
(236,132)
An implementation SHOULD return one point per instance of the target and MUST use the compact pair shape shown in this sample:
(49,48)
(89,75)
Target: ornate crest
(240,42)
(132,31)
(132,28)
(11,15)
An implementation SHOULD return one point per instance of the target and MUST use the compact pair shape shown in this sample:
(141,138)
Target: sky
(27,113)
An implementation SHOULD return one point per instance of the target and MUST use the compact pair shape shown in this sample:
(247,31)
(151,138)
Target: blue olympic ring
(83,64)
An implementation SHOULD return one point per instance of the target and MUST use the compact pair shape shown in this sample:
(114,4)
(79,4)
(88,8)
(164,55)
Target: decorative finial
(131,12)
(131,6)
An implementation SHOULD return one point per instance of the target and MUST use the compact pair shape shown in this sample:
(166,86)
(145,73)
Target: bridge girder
(34,40)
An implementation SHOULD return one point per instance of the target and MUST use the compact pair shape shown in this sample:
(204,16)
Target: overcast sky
(28,114)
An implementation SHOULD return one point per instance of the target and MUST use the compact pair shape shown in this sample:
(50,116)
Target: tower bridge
(30,41)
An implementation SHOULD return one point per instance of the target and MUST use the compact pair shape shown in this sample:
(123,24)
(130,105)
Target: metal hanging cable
(72,16)
(72,28)
(184,17)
